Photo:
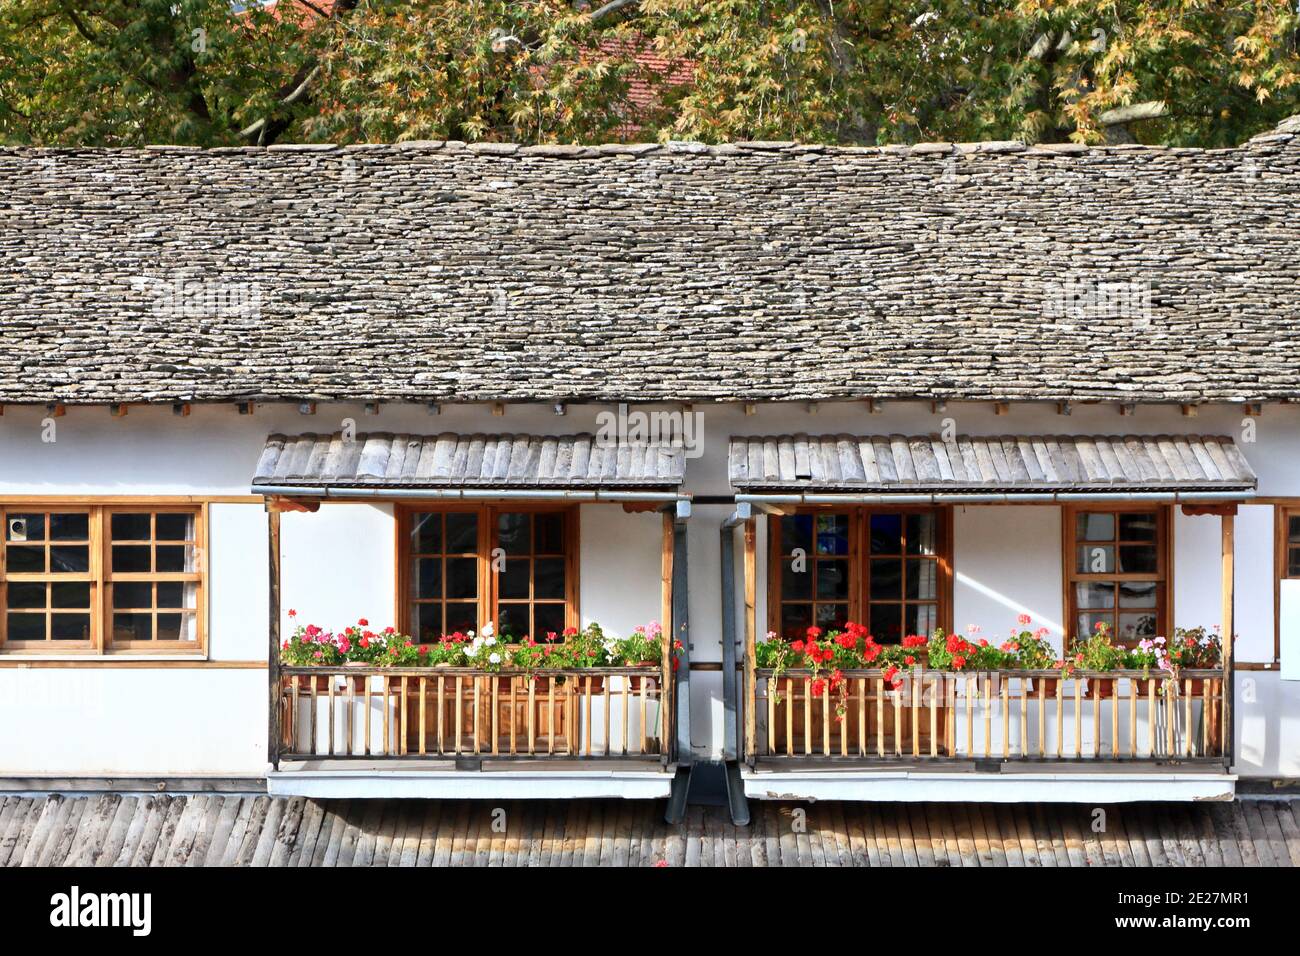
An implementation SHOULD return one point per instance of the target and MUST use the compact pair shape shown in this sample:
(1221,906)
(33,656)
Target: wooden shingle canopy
(384,460)
(1002,464)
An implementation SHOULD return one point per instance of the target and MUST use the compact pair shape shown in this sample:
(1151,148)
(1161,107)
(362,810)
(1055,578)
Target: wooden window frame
(859,559)
(101,644)
(488,540)
(1164,576)
(1282,513)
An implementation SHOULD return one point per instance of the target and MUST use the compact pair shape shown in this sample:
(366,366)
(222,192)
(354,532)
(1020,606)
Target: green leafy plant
(1097,652)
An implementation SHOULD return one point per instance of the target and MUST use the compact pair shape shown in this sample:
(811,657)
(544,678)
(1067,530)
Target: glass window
(1117,572)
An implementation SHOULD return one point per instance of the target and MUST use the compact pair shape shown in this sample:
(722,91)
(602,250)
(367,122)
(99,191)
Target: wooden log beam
(1227,569)
(1226,508)
(280,504)
(273,622)
(751,638)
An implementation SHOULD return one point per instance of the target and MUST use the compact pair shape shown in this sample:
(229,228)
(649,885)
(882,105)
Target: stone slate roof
(440,272)
(1005,463)
(466,461)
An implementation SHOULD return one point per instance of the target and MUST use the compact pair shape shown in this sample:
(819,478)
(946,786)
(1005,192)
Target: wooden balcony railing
(1116,716)
(382,712)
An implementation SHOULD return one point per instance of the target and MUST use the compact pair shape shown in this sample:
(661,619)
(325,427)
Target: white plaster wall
(1007,562)
(338,563)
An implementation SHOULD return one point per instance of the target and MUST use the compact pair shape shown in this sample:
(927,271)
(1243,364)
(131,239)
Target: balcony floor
(212,829)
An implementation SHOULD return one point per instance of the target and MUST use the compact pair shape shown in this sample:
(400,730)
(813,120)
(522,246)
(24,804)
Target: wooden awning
(448,461)
(1004,464)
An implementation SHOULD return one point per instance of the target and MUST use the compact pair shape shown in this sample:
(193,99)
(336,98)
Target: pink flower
(1024,619)
(292,612)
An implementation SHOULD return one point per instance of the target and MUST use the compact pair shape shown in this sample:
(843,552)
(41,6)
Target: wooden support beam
(1064,408)
(1127,409)
(372,408)
(306,408)
(751,639)
(750,408)
(273,622)
(812,408)
(875,406)
(1001,408)
(666,556)
(1253,409)
(1190,411)
(117,410)
(280,503)
(498,409)
(181,409)
(433,408)
(245,408)
(937,407)
(1228,508)
(1227,574)
(56,411)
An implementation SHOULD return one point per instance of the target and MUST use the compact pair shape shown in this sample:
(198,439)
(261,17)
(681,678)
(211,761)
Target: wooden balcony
(1113,719)
(385,713)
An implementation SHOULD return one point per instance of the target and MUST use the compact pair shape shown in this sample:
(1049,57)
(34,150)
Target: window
(1115,570)
(1287,563)
(100,578)
(514,567)
(886,569)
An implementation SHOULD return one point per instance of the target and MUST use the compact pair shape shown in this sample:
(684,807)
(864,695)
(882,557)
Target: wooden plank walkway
(232,830)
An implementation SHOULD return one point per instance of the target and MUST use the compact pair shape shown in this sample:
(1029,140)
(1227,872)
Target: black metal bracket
(679,790)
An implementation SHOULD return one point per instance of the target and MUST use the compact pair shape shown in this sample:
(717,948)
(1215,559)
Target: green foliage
(124,72)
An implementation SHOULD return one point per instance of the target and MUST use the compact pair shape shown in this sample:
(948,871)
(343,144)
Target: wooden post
(273,627)
(751,638)
(1229,689)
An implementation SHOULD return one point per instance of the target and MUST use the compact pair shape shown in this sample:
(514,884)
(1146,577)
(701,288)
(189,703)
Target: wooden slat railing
(1116,716)
(381,712)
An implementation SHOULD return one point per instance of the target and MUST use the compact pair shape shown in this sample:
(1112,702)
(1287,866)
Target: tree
(109,72)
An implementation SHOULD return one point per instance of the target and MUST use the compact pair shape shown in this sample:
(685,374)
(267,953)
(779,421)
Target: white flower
(487,629)
(490,641)
(494,658)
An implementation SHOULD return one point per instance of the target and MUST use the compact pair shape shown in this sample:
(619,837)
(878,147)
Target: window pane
(174,558)
(796,533)
(132,594)
(1293,563)
(1138,527)
(70,527)
(513,581)
(1138,559)
(887,623)
(1095,526)
(174,527)
(1134,627)
(512,623)
(921,534)
(832,534)
(832,580)
(886,534)
(70,627)
(25,527)
(132,627)
(130,527)
(514,533)
(796,585)
(131,559)
(461,617)
(1137,594)
(462,578)
(427,577)
(832,616)
(547,619)
(548,578)
(922,579)
(70,559)
(1093,596)
(549,528)
(25,560)
(1096,559)
(1087,622)
(26,627)
(426,622)
(1293,528)
(921,618)
(795,620)
(175,594)
(26,595)
(886,579)
(176,627)
(426,533)
(462,532)
(72,594)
